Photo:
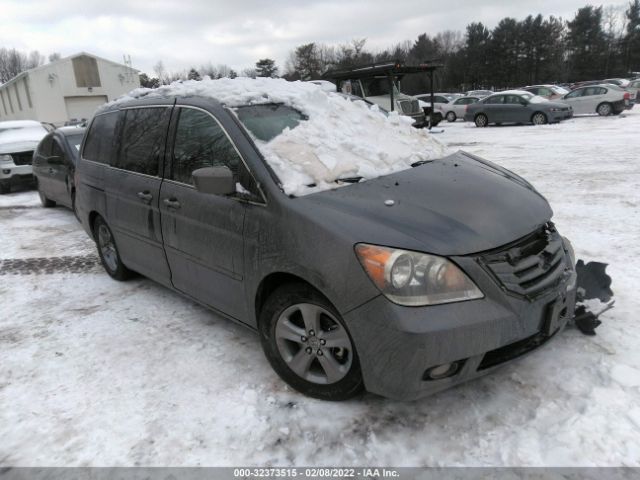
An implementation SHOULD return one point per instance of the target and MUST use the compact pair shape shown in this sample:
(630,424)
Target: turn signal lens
(413,278)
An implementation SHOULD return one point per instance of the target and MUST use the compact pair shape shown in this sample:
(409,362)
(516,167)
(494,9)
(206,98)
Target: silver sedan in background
(516,106)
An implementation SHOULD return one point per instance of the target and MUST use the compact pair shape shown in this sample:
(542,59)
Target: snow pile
(340,138)
(20,136)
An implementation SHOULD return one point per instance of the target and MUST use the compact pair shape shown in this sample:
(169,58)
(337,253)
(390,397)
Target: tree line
(597,43)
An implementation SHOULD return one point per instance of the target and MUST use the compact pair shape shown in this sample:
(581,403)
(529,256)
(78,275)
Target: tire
(5,187)
(481,120)
(297,327)
(604,109)
(108,251)
(451,117)
(539,118)
(46,203)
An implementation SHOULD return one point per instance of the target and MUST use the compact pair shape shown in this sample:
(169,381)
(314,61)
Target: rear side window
(142,141)
(101,140)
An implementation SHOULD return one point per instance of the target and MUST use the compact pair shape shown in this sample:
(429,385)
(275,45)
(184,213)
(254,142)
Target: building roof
(64,59)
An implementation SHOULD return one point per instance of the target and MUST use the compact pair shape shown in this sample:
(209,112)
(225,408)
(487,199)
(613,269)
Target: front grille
(531,266)
(410,106)
(23,158)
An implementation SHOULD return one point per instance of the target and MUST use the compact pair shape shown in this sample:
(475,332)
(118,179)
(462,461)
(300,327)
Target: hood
(456,205)
(21,139)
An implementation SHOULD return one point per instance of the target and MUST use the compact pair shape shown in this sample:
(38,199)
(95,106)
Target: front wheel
(451,117)
(604,109)
(539,118)
(108,251)
(308,345)
(481,120)
(5,187)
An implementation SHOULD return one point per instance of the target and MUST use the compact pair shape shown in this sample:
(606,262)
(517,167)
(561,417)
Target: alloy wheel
(313,344)
(107,247)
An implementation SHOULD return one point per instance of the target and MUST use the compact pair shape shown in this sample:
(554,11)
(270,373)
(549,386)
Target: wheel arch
(275,280)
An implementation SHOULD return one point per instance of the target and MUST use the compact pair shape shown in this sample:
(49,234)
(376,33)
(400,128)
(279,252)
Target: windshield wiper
(349,179)
(420,162)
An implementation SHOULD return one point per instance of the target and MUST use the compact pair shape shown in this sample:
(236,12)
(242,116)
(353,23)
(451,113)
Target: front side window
(201,142)
(575,93)
(101,140)
(143,135)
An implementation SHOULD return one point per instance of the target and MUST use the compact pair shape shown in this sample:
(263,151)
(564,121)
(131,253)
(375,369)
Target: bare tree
(54,57)
(13,62)
(161,72)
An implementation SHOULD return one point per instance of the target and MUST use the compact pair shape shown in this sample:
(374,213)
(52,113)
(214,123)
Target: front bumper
(397,345)
(12,172)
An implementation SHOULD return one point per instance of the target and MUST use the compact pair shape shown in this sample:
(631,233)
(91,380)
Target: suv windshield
(268,121)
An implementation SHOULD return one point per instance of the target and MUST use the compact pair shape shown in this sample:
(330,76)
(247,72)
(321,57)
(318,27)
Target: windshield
(268,121)
(377,87)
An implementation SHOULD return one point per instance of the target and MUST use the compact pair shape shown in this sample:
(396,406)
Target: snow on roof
(16,138)
(339,139)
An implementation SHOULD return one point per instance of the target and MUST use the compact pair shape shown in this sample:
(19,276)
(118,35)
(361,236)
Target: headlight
(6,159)
(415,279)
(555,109)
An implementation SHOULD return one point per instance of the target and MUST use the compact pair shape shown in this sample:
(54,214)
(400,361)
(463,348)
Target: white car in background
(455,110)
(18,140)
(601,99)
(550,92)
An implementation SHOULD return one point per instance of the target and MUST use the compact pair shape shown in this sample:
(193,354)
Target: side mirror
(214,180)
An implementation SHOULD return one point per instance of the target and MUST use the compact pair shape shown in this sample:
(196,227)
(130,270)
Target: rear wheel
(539,118)
(108,251)
(451,117)
(308,345)
(604,109)
(481,120)
(46,203)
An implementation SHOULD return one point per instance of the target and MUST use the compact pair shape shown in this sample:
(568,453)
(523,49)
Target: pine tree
(193,75)
(632,38)
(266,67)
(586,44)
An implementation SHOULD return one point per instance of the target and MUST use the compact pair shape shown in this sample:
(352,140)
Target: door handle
(171,203)
(145,196)
(51,170)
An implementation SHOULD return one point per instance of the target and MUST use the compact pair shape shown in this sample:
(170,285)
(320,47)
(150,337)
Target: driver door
(203,233)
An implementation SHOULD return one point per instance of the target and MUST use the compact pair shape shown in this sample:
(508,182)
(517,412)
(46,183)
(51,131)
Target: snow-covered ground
(96,372)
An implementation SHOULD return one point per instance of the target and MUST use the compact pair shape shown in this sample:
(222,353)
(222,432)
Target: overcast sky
(238,32)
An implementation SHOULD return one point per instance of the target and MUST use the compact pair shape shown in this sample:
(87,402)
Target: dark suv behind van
(404,284)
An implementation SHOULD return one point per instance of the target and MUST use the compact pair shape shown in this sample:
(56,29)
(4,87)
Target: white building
(69,88)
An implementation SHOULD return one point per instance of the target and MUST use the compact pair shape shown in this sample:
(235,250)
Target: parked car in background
(636,85)
(479,93)
(550,92)
(457,108)
(621,82)
(516,106)
(330,268)
(18,140)
(54,165)
(601,99)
